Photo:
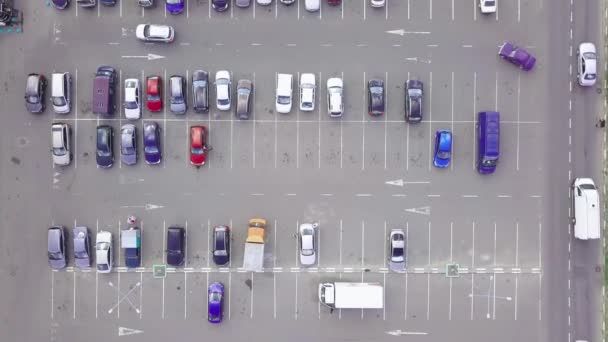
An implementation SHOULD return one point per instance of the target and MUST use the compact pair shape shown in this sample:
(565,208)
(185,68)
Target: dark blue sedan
(443,148)
(216,302)
(152,143)
(174,6)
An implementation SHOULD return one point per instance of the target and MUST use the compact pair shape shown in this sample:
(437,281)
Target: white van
(586,209)
(60,92)
(284,91)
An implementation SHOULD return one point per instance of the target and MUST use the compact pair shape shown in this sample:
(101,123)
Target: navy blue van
(488,141)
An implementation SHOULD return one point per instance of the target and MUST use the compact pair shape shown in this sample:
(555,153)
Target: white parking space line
(518,10)
(209,9)
(407,134)
(386,18)
(120,8)
(428,280)
(276,10)
(99,11)
(494,278)
(253,115)
(407,239)
(164,262)
(76,121)
(452,119)
(340,243)
(431,10)
(164,114)
(473,274)
(143,12)
(386,87)
(52,294)
(341,131)
(452,10)
(120,104)
(362,243)
(185,273)
(296,299)
(298,123)
(474,117)
(475,9)
(451,261)
(319,126)
(96,276)
(364,10)
(118,287)
(363,119)
(342,4)
(496,94)
(540,265)
(251,298)
(430,117)
(320,12)
(518,101)
(276,118)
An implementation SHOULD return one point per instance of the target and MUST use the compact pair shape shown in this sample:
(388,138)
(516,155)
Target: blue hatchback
(216,302)
(174,6)
(443,148)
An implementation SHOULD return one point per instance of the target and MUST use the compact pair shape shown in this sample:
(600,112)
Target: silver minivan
(60,92)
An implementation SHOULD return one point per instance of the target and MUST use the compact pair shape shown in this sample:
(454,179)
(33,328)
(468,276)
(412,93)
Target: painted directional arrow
(122,331)
(149,57)
(420,210)
(147,206)
(401,182)
(403,32)
(398,332)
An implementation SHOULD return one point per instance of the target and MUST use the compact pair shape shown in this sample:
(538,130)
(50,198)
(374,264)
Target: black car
(176,240)
(375,97)
(34,93)
(413,100)
(243,101)
(105,146)
(221,245)
(200,91)
(220,5)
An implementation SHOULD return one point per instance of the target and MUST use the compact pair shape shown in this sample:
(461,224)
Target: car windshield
(590,76)
(177,99)
(151,149)
(589,55)
(489,162)
(198,150)
(223,101)
(398,252)
(414,92)
(103,246)
(443,154)
(244,92)
(131,105)
(55,256)
(587,186)
(307,104)
(284,100)
(127,149)
(32,99)
(102,267)
(58,101)
(59,151)
(489,3)
(173,2)
(214,297)
(375,90)
(153,97)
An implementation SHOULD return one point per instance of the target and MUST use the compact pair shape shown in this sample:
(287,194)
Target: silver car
(128,144)
(155,33)
(82,247)
(56,247)
(396,261)
(308,254)
(103,252)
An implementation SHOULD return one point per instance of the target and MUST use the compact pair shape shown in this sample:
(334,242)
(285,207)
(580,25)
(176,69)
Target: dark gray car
(244,90)
(128,144)
(413,100)
(82,247)
(56,247)
(34,93)
(200,91)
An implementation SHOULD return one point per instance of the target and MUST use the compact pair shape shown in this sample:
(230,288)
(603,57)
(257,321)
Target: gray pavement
(522,277)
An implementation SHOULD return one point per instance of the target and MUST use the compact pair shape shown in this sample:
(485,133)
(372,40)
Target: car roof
(244,84)
(307,78)
(196,134)
(160,31)
(200,75)
(53,238)
(32,82)
(334,82)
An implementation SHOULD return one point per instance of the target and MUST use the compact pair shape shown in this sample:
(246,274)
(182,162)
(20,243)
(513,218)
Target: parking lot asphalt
(521,276)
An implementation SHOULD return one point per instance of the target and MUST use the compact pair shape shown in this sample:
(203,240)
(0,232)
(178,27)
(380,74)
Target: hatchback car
(60,143)
(200,91)
(308,247)
(176,239)
(517,56)
(178,95)
(56,247)
(396,261)
(443,148)
(128,144)
(587,64)
(103,252)
(155,33)
(198,145)
(244,89)
(174,6)
(152,152)
(335,92)
(413,100)
(155,94)
(220,5)
(35,87)
(375,97)
(307,92)
(105,146)
(221,245)
(216,302)
(487,6)
(222,90)
(82,247)
(132,106)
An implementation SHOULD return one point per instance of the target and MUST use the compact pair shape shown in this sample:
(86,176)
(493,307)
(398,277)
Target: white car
(335,93)
(264,2)
(284,93)
(155,33)
(222,90)
(487,6)
(132,104)
(312,5)
(103,252)
(308,255)
(396,261)
(587,64)
(307,92)
(377,3)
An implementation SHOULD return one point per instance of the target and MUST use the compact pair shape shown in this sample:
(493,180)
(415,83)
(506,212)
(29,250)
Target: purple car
(174,6)
(216,302)
(152,143)
(517,56)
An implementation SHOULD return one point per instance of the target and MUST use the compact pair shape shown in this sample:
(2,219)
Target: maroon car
(517,56)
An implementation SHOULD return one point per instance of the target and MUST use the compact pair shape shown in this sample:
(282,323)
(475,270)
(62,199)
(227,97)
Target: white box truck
(339,295)
(586,218)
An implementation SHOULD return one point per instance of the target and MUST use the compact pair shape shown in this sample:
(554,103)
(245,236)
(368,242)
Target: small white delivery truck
(586,218)
(339,295)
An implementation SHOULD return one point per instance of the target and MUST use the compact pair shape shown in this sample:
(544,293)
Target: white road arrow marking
(399,32)
(420,210)
(122,331)
(398,332)
(149,57)
(146,206)
(397,182)
(403,32)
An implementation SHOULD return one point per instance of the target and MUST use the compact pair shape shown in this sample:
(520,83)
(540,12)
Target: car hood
(33,107)
(57,264)
(129,159)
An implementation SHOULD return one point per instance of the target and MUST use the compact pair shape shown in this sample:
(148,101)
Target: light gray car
(243,99)
(128,144)
(56,247)
(242,3)
(82,247)
(178,94)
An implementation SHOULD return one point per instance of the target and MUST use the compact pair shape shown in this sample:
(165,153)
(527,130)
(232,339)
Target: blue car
(152,143)
(174,6)
(443,148)
(216,302)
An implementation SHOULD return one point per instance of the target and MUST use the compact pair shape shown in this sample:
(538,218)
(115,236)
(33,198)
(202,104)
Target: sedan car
(288,2)
(335,91)
(216,302)
(82,247)
(242,3)
(132,107)
(413,100)
(128,144)
(222,90)
(60,144)
(375,97)
(264,2)
(587,64)
(174,6)
(176,240)
(443,148)
(198,145)
(307,92)
(244,89)
(220,5)
(487,6)
(221,245)
(154,93)
(308,247)
(396,261)
(145,3)
(152,152)
(200,91)
(35,86)
(103,252)
(60,4)
(178,94)
(105,146)
(517,56)
(377,3)
(155,33)
(56,247)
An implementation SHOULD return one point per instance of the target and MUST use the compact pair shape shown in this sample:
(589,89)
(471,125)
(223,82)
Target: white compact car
(60,141)
(308,254)
(284,93)
(264,2)
(587,64)
(222,90)
(307,92)
(155,33)
(377,3)
(103,251)
(132,103)
(335,92)
(487,6)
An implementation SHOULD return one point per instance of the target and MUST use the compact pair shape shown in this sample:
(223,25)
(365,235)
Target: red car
(155,98)
(334,2)
(198,145)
